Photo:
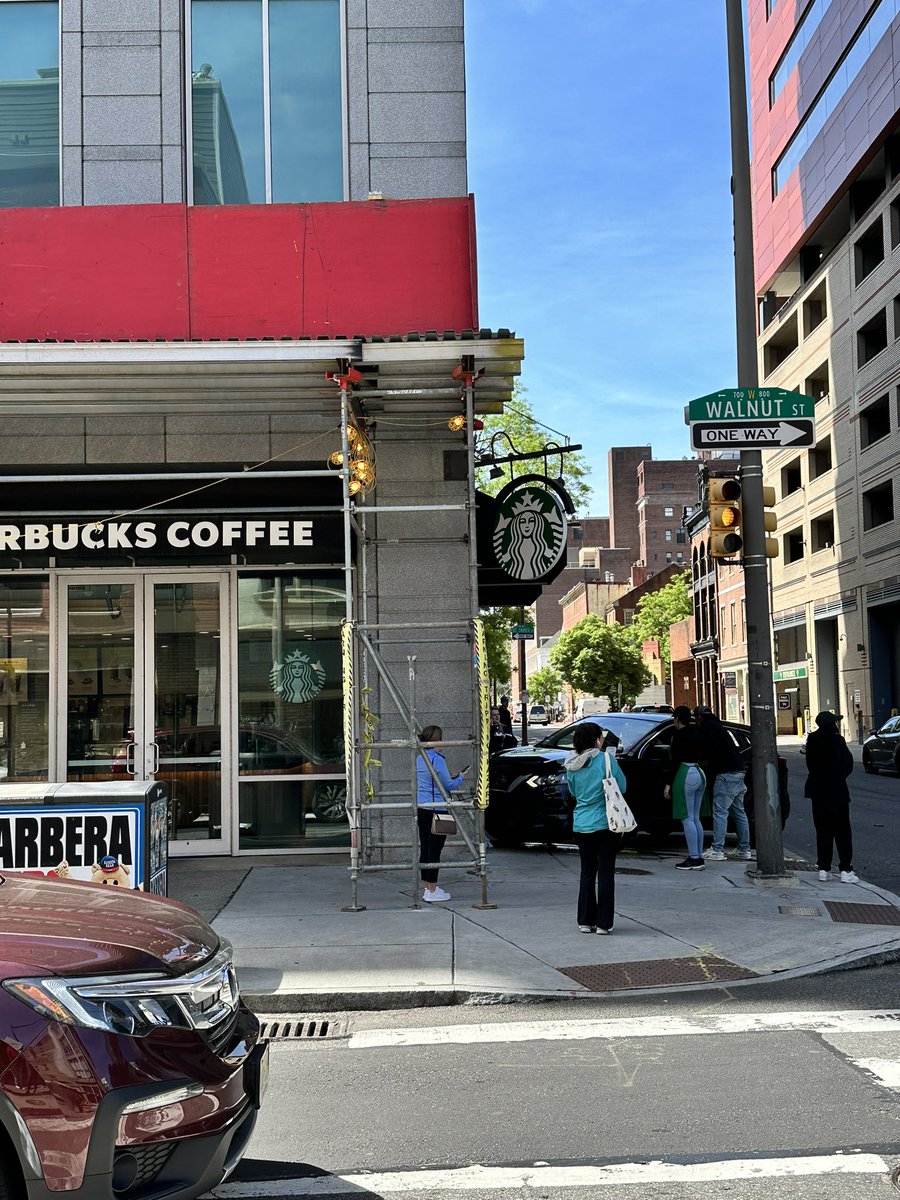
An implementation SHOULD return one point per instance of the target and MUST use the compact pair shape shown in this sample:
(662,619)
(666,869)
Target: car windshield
(629,731)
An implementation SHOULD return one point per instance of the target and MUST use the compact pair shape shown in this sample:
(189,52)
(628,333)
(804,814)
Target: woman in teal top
(586,768)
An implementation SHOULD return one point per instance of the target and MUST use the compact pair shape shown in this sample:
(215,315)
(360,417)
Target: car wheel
(868,766)
(11,1183)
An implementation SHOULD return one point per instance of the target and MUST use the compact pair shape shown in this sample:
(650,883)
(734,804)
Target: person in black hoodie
(722,759)
(829,763)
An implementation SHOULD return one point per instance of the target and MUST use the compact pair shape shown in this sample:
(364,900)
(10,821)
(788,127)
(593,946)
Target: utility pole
(769,847)
(523,691)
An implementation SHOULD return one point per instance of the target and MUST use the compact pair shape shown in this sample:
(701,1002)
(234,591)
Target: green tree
(544,685)
(498,625)
(522,427)
(658,611)
(601,660)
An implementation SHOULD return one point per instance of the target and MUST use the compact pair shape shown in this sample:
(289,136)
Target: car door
(648,770)
(884,747)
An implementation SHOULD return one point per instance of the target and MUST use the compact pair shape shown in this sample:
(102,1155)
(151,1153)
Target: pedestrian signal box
(725,538)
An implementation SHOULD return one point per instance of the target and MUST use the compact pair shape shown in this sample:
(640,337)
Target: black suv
(528,792)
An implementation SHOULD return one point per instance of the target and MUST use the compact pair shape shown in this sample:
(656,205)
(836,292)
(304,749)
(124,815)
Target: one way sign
(753,435)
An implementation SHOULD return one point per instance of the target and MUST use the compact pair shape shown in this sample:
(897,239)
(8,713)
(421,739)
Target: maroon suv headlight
(135,1005)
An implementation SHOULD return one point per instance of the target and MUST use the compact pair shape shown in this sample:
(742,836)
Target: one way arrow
(749,434)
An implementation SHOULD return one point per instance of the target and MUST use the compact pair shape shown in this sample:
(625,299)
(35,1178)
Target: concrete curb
(387,1000)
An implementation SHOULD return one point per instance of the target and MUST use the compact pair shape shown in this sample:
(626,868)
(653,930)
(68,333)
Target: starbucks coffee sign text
(180,534)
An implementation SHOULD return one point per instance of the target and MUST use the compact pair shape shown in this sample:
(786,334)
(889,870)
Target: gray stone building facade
(144,382)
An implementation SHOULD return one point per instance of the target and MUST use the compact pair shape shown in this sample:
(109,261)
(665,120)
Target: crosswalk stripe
(851,1021)
(481,1179)
(885,1070)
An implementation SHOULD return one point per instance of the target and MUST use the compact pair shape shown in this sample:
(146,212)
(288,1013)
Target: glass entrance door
(142,694)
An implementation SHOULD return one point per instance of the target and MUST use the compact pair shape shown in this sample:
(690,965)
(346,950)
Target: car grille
(220,1037)
(136,1166)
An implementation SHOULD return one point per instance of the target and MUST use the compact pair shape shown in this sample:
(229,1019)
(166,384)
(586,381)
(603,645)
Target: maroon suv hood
(57,926)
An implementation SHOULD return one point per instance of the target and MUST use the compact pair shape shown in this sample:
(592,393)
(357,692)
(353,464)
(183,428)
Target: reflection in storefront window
(290,742)
(24,679)
(29,104)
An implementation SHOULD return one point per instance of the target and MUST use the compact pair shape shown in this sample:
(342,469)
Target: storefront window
(29,104)
(266,101)
(24,679)
(290,738)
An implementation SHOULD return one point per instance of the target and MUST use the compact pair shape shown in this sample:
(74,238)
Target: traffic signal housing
(725,538)
(770,521)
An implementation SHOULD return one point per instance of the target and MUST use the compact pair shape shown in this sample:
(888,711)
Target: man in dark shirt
(505,714)
(500,737)
(723,761)
(829,762)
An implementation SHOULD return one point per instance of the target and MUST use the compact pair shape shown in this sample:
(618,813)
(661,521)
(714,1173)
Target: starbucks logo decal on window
(530,529)
(296,678)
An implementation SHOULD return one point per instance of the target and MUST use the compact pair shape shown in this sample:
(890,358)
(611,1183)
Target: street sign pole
(769,846)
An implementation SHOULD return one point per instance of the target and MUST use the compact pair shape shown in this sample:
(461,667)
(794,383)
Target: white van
(591,706)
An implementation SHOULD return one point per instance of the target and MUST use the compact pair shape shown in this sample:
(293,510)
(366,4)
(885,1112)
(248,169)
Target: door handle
(154,746)
(129,758)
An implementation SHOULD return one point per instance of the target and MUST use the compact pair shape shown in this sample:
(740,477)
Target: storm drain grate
(863,914)
(661,972)
(308,1029)
(798,910)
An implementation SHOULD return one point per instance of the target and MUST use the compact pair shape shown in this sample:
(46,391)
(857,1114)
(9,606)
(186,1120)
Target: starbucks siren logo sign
(296,678)
(530,529)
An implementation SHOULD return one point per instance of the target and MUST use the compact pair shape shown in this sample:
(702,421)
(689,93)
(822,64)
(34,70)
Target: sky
(599,156)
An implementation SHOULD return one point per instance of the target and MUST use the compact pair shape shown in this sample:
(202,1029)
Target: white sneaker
(849,877)
(714,855)
(743,855)
(585,928)
(824,876)
(437,894)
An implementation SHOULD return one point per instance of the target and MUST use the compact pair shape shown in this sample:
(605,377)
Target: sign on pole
(523,633)
(752,419)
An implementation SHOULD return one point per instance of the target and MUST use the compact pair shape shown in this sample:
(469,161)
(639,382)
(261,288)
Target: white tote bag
(619,816)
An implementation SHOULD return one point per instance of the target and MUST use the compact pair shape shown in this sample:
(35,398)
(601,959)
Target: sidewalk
(297,952)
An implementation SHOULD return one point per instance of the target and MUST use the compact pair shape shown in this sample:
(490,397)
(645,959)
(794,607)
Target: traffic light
(770,521)
(725,540)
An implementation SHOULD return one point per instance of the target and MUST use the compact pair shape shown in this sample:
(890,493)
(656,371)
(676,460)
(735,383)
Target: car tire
(868,766)
(11,1182)
(897,763)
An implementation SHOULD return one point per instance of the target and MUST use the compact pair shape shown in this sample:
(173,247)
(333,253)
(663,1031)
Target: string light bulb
(354,486)
(457,423)
(336,459)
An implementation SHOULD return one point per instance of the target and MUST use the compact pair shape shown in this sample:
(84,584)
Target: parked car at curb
(881,749)
(129,1065)
(528,792)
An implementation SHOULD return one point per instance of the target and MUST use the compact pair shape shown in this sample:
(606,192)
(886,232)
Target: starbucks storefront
(171,648)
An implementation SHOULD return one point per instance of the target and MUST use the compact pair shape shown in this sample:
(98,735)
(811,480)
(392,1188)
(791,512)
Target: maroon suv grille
(140,1164)
(221,1037)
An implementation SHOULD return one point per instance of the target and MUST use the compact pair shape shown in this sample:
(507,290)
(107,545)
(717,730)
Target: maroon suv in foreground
(129,1066)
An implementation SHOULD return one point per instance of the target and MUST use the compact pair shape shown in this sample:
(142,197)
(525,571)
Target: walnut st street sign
(752,419)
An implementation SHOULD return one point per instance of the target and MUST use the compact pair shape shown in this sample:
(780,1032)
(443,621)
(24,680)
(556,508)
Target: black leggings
(597,890)
(832,821)
(430,845)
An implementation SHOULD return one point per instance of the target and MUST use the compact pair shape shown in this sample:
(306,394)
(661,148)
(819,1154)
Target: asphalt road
(874,814)
(566,1102)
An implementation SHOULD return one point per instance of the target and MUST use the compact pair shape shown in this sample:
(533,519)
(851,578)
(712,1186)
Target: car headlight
(136,1005)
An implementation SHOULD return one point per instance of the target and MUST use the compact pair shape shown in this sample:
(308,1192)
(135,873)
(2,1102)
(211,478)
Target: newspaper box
(114,834)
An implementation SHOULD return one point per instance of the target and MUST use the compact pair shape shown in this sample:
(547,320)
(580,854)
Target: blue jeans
(694,787)
(728,797)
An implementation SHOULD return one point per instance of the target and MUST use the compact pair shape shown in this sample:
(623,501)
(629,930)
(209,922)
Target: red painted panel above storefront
(264,271)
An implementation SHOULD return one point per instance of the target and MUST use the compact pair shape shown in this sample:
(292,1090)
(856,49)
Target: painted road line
(850,1021)
(885,1070)
(487,1179)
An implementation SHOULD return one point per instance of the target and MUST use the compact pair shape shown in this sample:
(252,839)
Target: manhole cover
(632,871)
(863,914)
(798,910)
(662,972)
(307,1029)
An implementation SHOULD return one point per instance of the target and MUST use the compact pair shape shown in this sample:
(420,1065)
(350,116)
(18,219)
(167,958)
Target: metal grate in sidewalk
(799,910)
(307,1029)
(661,972)
(863,914)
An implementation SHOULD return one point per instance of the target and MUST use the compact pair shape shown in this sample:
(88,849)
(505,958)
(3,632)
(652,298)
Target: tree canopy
(521,425)
(544,685)
(601,660)
(498,626)
(658,611)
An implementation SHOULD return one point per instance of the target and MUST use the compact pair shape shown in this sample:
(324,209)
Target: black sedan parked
(881,749)
(529,797)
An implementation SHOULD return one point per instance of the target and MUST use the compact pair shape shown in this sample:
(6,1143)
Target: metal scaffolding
(365,671)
